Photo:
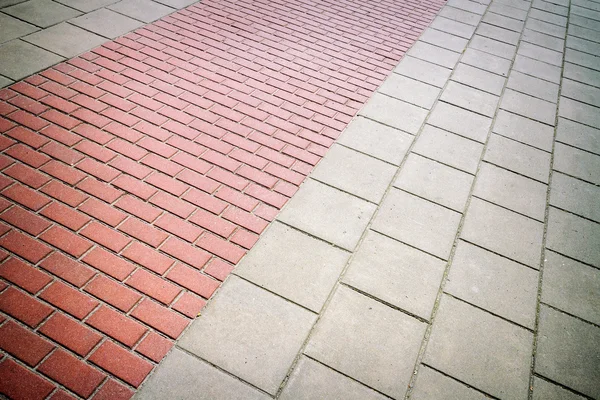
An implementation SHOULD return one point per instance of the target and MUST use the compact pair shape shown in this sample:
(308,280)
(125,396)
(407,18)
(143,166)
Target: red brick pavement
(134,177)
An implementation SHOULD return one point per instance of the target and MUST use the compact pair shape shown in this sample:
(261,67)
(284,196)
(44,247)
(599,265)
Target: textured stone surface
(106,23)
(460,121)
(19,59)
(573,236)
(386,110)
(65,39)
(433,385)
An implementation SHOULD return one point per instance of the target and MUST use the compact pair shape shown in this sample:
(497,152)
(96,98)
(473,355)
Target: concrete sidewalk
(446,247)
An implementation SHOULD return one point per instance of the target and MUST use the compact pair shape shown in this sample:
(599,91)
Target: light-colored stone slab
(453,27)
(550,7)
(12,28)
(579,112)
(504,22)
(533,86)
(250,333)
(106,23)
(529,106)
(544,390)
(396,273)
(545,27)
(328,213)
(460,121)
(578,135)
(65,39)
(86,5)
(499,33)
(494,47)
(410,90)
(524,130)
(19,59)
(582,59)
(177,3)
(538,69)
(486,61)
(507,11)
(582,74)
(142,10)
(587,46)
(431,385)
(5,81)
(577,163)
(574,236)
(581,92)
(540,53)
(443,39)
(576,196)
(459,15)
(470,98)
(367,341)
(395,113)
(434,54)
(519,158)
(541,39)
(479,79)
(471,6)
(423,71)
(42,13)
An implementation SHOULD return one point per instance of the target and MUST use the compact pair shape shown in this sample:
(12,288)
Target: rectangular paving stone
(87,5)
(541,39)
(250,333)
(536,68)
(533,86)
(504,232)
(355,173)
(177,377)
(435,181)
(460,121)
(177,3)
(410,90)
(470,98)
(582,59)
(328,213)
(507,11)
(65,39)
(313,380)
(142,10)
(480,349)
(576,196)
(577,163)
(568,351)
(479,79)
(544,390)
(106,23)
(520,4)
(550,17)
(545,27)
(42,13)
(586,12)
(578,135)
(396,273)
(294,265)
(383,346)
(377,140)
(582,74)
(498,33)
(540,53)
(572,287)
(443,39)
(524,130)
(459,15)
(512,191)
(453,27)
(433,385)
(486,61)
(13,28)
(494,283)
(19,59)
(529,106)
(434,54)
(395,113)
(573,236)
(585,33)
(449,149)
(504,22)
(467,5)
(423,71)
(494,47)
(417,222)
(581,92)
(584,22)
(550,7)
(5,81)
(519,158)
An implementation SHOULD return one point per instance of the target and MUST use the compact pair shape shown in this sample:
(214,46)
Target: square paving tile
(355,173)
(294,265)
(410,90)
(470,98)
(481,350)
(577,163)
(142,10)
(65,39)
(568,352)
(367,341)
(576,196)
(434,181)
(494,283)
(417,222)
(432,385)
(460,121)
(377,140)
(396,273)
(394,112)
(573,236)
(106,23)
(578,135)
(312,380)
(423,71)
(328,213)
(19,59)
(504,232)
(177,378)
(250,333)
(87,5)
(524,130)
(571,286)
(12,28)
(544,390)
(448,148)
(42,13)
(518,157)
(529,106)
(437,55)
(479,79)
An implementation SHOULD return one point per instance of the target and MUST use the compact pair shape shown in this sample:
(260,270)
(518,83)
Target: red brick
(138,208)
(166,183)
(191,162)
(24,246)
(17,382)
(94,134)
(134,186)
(123,364)
(24,275)
(64,193)
(26,175)
(117,326)
(99,170)
(60,119)
(160,318)
(65,216)
(62,153)
(25,220)
(244,238)
(266,196)
(154,286)
(161,164)
(193,280)
(100,190)
(218,269)
(113,390)
(23,344)
(105,236)
(130,167)
(189,305)
(154,346)
(148,258)
(95,150)
(157,147)
(28,90)
(23,307)
(144,232)
(72,372)
(29,120)
(178,227)
(172,204)
(63,172)
(69,300)
(113,293)
(205,201)
(68,242)
(245,219)
(103,212)
(27,155)
(61,135)
(91,117)
(68,269)
(72,334)
(61,395)
(198,181)
(25,196)
(109,263)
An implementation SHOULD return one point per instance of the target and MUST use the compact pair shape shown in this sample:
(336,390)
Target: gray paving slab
(432,385)
(177,378)
(494,47)
(443,39)
(512,191)
(582,59)
(519,158)
(5,81)
(545,27)
(313,380)
(65,39)
(6,3)
(417,222)
(586,12)
(592,5)
(504,232)
(498,33)
(471,6)
(377,140)
(13,28)
(142,10)
(250,333)
(423,71)
(576,196)
(585,33)
(544,390)
(410,90)
(42,13)
(328,213)
(573,236)
(19,59)
(583,45)
(479,79)
(508,11)
(504,22)
(572,287)
(355,173)
(294,265)
(435,181)
(582,74)
(568,352)
(524,130)
(541,39)
(550,17)
(459,15)
(395,113)
(533,86)
(453,27)
(367,341)
(106,23)
(480,349)
(584,22)
(87,5)
(577,163)
(486,61)
(434,54)
(520,4)
(550,7)
(581,92)
(529,106)
(448,148)
(537,69)
(177,3)
(460,121)
(494,283)
(396,273)
(578,135)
